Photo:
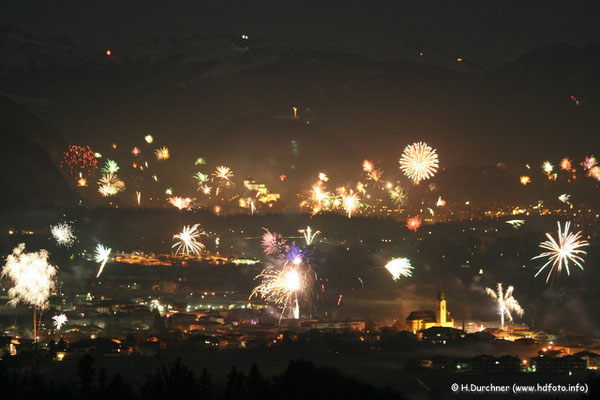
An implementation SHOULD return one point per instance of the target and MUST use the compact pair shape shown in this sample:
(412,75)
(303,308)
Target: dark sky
(489,32)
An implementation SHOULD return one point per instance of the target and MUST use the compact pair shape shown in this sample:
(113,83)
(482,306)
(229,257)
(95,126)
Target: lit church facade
(419,320)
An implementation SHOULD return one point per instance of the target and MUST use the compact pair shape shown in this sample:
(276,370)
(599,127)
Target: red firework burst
(79,160)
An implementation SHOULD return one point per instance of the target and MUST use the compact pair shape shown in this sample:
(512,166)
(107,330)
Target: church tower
(440,309)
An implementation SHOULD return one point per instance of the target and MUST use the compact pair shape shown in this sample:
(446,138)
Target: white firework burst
(399,267)
(419,161)
(188,240)
(59,321)
(560,253)
(63,234)
(505,303)
(101,255)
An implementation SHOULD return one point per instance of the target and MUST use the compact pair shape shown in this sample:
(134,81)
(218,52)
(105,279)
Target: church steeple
(440,309)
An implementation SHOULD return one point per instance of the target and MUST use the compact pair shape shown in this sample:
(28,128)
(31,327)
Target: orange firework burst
(525,180)
(419,162)
(222,172)
(162,153)
(565,164)
(180,202)
(414,223)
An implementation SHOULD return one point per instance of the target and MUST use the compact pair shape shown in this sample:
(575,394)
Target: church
(419,320)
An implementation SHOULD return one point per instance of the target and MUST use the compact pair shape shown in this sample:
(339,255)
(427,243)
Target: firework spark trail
(567,248)
(419,161)
(399,267)
(101,256)
(505,302)
(515,223)
(63,234)
(188,241)
(309,235)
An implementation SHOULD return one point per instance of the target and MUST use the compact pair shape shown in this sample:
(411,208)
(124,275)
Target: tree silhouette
(86,374)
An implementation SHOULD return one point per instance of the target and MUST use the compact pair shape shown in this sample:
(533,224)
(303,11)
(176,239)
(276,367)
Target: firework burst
(414,223)
(419,162)
(565,198)
(560,253)
(110,184)
(224,173)
(525,180)
(33,279)
(188,241)
(399,267)
(110,167)
(516,223)
(505,303)
(590,162)
(179,202)
(201,179)
(59,321)
(63,234)
(273,243)
(594,172)
(565,164)
(397,195)
(80,160)
(101,256)
(351,203)
(309,235)
(162,153)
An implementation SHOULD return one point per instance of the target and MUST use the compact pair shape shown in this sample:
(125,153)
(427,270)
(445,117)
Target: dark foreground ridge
(300,380)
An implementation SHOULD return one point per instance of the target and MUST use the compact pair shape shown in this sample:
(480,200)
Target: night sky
(490,32)
(509,101)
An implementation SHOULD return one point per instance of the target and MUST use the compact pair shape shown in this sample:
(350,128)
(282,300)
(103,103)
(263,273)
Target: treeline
(300,380)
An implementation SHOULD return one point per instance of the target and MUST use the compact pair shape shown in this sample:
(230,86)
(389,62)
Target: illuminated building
(419,320)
